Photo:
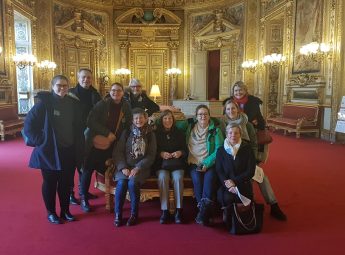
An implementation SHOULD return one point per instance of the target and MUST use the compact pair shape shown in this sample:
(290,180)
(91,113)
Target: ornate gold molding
(217,33)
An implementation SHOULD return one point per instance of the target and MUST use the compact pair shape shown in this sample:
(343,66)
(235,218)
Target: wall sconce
(123,72)
(155,92)
(315,51)
(173,72)
(46,66)
(24,60)
(274,59)
(104,79)
(250,65)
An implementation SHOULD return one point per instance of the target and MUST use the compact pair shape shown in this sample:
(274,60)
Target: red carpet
(307,175)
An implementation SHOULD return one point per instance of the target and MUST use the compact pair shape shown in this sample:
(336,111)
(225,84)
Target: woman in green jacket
(203,138)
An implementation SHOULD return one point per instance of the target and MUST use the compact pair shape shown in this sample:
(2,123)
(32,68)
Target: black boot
(67,216)
(53,218)
(178,216)
(72,199)
(84,203)
(227,217)
(164,217)
(205,212)
(133,220)
(118,220)
(277,213)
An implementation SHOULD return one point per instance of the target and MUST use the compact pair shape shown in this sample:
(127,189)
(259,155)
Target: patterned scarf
(138,140)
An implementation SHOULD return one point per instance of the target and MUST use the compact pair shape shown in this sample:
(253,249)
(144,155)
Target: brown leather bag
(264,137)
(101,142)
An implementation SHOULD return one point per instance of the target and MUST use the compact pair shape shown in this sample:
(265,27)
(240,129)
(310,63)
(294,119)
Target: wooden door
(77,58)
(149,67)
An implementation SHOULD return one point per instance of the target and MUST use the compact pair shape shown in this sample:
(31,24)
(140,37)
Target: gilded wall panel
(88,33)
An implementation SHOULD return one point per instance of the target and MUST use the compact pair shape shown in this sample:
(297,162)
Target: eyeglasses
(202,114)
(116,90)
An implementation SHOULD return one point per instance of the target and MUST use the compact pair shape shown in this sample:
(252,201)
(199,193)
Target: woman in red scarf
(249,104)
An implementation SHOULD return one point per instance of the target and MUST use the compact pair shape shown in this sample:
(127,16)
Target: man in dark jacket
(138,98)
(88,97)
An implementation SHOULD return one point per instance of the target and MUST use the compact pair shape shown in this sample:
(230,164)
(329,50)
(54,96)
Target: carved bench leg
(298,134)
(111,202)
(172,202)
(2,137)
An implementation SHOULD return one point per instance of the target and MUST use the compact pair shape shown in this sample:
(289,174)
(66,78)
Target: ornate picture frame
(308,28)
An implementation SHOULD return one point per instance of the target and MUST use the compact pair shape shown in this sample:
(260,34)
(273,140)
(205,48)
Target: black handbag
(246,219)
(173,164)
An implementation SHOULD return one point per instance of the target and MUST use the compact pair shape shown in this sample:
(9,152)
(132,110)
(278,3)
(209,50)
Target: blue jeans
(204,183)
(133,186)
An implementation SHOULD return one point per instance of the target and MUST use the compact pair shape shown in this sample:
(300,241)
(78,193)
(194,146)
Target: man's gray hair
(134,82)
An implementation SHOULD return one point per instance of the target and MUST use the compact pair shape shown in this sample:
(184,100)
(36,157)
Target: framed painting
(2,39)
(308,28)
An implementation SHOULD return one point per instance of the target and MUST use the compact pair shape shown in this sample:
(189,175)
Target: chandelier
(274,59)
(173,72)
(24,60)
(315,51)
(250,65)
(122,72)
(46,66)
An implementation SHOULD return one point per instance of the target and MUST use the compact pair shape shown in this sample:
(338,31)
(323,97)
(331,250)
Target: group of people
(77,129)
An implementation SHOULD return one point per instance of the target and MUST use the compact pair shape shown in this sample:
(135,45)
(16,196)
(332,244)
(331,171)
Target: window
(22,30)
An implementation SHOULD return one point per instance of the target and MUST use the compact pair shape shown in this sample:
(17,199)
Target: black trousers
(72,179)
(59,181)
(95,161)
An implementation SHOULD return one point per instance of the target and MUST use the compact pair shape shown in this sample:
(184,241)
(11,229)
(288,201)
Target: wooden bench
(149,190)
(297,118)
(10,123)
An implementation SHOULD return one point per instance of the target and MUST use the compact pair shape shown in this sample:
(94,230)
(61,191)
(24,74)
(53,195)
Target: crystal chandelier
(315,51)
(24,60)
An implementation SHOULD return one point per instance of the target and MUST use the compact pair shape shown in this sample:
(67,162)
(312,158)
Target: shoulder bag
(246,219)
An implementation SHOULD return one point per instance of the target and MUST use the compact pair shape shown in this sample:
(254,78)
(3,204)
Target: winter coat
(215,138)
(143,101)
(40,133)
(97,121)
(240,170)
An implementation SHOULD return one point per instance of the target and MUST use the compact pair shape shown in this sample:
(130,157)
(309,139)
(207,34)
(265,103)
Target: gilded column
(173,46)
(43,44)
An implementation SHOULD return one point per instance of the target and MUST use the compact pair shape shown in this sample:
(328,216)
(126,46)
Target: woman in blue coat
(54,127)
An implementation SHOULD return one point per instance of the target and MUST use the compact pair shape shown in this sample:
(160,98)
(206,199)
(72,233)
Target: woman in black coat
(171,160)
(249,104)
(235,167)
(105,123)
(54,127)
